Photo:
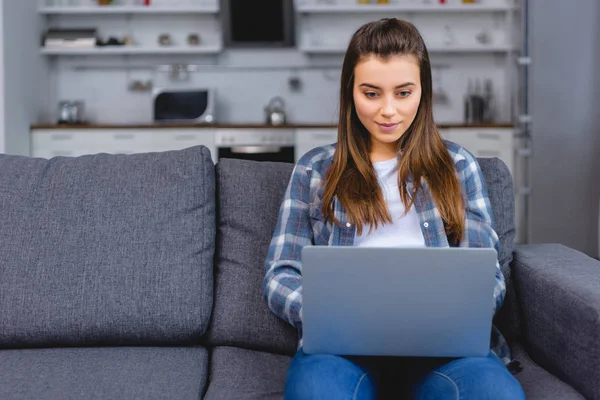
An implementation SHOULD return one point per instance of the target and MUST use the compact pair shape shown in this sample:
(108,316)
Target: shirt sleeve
(479,231)
(282,283)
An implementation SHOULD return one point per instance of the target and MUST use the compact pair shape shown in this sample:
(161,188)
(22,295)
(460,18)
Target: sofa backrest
(249,195)
(501,193)
(106,249)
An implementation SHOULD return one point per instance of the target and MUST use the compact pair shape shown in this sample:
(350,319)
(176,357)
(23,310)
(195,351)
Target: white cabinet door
(491,142)
(485,142)
(445,134)
(308,139)
(76,142)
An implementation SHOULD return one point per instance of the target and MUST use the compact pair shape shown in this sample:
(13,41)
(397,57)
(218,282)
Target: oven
(266,144)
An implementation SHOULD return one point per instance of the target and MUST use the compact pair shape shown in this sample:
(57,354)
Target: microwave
(184,105)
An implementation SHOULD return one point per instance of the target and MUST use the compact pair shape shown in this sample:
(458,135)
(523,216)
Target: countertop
(38,127)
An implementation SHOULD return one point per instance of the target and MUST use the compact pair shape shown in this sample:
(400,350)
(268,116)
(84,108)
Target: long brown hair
(351,176)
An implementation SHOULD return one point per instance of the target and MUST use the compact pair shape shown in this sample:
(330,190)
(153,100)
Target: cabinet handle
(124,136)
(255,150)
(62,153)
(185,137)
(484,135)
(324,136)
(60,138)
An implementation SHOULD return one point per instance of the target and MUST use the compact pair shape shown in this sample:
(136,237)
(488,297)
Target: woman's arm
(282,283)
(478,218)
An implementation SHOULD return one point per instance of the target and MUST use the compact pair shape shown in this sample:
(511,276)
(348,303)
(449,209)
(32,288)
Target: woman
(390,180)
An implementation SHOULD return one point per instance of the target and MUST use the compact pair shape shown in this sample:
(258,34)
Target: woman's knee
(327,377)
(470,378)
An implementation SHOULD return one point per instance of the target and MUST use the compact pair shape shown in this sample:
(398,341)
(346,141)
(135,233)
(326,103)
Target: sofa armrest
(559,294)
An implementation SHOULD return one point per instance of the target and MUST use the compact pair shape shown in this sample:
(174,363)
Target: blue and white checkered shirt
(302,223)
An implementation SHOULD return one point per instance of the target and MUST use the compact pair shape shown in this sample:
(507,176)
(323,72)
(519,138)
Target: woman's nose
(388,110)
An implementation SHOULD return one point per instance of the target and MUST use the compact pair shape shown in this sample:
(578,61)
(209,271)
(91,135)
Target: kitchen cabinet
(76,142)
(485,142)
(177,139)
(482,142)
(308,139)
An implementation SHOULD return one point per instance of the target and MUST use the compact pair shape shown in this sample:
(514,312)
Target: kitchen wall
(565,88)
(243,92)
(24,76)
(246,80)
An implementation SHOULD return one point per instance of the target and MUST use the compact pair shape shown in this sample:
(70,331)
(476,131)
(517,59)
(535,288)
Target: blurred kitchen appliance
(191,105)
(266,144)
(275,111)
(480,103)
(71,112)
(248,24)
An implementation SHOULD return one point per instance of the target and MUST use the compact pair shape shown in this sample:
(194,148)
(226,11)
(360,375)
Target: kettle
(275,111)
(71,112)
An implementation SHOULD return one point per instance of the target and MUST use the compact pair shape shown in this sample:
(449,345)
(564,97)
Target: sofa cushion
(538,383)
(106,249)
(559,289)
(246,375)
(248,195)
(103,373)
(502,198)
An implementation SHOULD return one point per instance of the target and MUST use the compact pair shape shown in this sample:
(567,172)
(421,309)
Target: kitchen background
(224,47)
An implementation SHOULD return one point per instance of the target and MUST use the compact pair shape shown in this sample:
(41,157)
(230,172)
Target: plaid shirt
(301,223)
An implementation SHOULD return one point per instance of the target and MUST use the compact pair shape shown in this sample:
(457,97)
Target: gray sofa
(139,277)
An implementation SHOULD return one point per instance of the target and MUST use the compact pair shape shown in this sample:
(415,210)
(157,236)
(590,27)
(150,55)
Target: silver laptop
(420,302)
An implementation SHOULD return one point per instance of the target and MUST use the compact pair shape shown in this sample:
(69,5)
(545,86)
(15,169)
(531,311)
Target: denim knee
(327,377)
(470,378)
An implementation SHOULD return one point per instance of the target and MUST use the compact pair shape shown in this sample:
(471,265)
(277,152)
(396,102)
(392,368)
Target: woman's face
(386,96)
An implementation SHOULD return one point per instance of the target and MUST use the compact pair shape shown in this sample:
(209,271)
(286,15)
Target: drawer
(122,141)
(177,140)
(486,143)
(50,153)
(63,140)
(479,139)
(446,134)
(301,149)
(94,141)
(316,137)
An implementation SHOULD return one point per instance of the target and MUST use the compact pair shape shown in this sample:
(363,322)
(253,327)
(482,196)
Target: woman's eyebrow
(377,87)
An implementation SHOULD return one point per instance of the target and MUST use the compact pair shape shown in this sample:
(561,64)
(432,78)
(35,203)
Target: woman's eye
(370,95)
(405,93)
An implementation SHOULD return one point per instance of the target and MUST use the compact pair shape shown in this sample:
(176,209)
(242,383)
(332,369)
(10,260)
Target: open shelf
(386,8)
(312,49)
(125,50)
(206,9)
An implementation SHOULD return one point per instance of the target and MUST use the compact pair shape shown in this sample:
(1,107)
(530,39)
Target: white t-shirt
(405,230)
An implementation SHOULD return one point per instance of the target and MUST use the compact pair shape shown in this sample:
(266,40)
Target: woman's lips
(387,128)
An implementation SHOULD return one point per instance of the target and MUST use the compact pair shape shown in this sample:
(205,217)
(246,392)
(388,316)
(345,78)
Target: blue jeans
(333,377)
